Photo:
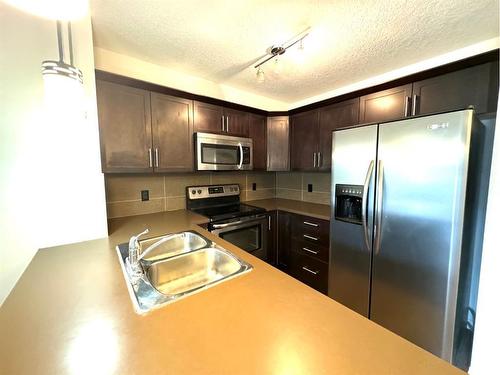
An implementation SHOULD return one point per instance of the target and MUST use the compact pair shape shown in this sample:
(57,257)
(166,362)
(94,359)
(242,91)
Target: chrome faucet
(134,249)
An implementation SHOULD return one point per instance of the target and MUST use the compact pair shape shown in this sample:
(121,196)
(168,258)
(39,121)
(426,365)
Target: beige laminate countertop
(70,313)
(320,211)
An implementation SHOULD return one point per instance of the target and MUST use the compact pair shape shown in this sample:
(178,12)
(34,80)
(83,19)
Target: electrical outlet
(254,186)
(144,195)
(310,188)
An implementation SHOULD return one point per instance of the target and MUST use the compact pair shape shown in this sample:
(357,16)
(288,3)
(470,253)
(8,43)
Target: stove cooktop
(230,211)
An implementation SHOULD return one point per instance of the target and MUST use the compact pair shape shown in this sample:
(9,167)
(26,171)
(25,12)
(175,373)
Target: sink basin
(176,266)
(170,245)
(191,271)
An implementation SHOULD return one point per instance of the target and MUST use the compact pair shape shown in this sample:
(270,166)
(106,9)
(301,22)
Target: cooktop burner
(218,202)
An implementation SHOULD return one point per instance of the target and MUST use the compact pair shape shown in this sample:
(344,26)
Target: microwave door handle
(364,204)
(241,155)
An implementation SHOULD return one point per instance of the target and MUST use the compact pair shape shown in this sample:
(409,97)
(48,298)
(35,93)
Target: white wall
(486,345)
(51,188)
(131,67)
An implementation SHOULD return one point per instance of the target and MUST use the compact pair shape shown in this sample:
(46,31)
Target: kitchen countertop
(71,313)
(320,211)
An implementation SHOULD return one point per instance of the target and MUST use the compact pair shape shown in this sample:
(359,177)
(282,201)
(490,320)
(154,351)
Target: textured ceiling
(351,40)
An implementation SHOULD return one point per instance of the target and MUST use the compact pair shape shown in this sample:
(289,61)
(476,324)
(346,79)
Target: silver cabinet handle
(150,154)
(319,159)
(157,158)
(310,251)
(380,195)
(310,237)
(222,123)
(407,106)
(314,160)
(414,105)
(227,124)
(309,270)
(269,222)
(364,203)
(311,224)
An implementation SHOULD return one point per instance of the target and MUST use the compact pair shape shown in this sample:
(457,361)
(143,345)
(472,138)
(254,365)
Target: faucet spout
(134,248)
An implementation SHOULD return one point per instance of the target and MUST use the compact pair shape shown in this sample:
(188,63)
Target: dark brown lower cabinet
(302,248)
(310,271)
(284,240)
(272,237)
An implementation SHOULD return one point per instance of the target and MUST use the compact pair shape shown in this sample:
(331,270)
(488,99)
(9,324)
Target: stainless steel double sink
(175,266)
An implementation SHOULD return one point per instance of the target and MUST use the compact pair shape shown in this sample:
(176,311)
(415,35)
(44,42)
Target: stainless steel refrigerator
(407,211)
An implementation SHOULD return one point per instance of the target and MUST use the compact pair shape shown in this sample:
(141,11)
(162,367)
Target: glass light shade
(260,75)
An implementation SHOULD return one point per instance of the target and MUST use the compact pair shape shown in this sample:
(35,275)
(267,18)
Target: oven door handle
(225,225)
(241,155)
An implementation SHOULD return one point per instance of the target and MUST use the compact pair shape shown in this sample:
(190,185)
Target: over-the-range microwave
(215,152)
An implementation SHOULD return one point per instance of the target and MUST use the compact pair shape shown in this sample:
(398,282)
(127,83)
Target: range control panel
(212,191)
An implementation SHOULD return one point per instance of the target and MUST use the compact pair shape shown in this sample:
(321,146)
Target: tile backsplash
(293,185)
(168,192)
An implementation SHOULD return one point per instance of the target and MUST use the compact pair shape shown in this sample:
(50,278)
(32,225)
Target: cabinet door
(458,90)
(284,245)
(386,105)
(272,237)
(335,116)
(257,130)
(304,141)
(172,133)
(278,152)
(207,118)
(124,128)
(236,122)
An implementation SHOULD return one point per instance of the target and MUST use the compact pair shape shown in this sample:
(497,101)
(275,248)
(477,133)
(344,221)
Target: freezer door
(353,163)
(421,181)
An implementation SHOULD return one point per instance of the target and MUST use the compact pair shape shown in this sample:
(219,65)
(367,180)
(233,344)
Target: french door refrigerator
(404,225)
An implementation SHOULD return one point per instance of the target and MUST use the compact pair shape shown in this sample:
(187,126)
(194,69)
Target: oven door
(218,152)
(249,235)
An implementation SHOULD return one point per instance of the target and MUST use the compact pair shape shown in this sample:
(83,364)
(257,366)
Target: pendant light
(60,68)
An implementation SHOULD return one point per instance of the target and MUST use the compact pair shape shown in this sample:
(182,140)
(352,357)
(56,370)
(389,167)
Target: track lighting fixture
(275,52)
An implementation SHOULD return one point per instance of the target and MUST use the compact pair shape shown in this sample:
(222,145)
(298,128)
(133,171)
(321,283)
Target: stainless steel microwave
(214,152)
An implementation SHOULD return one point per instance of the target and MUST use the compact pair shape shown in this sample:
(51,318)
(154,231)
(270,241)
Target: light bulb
(260,75)
(277,66)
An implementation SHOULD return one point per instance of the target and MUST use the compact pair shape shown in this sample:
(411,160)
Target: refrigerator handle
(364,204)
(380,195)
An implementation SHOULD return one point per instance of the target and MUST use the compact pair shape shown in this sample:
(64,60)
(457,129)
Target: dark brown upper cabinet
(387,105)
(211,118)
(311,134)
(476,86)
(257,130)
(278,145)
(304,141)
(236,122)
(335,116)
(172,133)
(208,118)
(125,128)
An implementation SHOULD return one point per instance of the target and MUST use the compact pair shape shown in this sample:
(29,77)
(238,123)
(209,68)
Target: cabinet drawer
(313,250)
(312,230)
(310,271)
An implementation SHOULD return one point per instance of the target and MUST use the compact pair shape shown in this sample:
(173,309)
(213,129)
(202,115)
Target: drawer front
(314,250)
(311,229)
(310,271)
